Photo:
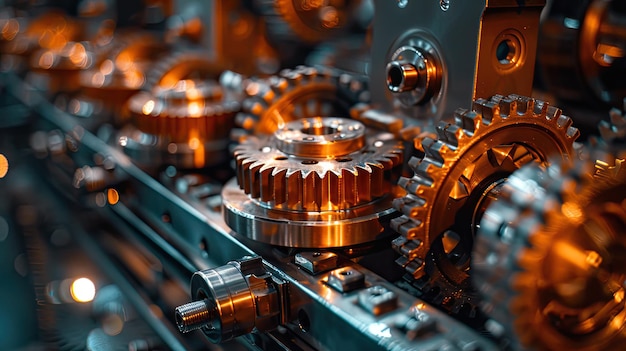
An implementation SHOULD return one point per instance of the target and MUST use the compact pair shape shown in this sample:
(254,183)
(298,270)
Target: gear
(318,164)
(298,93)
(308,21)
(459,175)
(183,65)
(322,182)
(188,110)
(549,257)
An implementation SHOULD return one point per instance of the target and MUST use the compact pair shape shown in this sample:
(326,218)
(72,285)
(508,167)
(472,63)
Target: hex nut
(346,279)
(378,300)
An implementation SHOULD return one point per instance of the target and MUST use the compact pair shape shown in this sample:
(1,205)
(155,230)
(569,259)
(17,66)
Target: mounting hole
(303,321)
(343,159)
(280,158)
(204,246)
(309,162)
(346,273)
(166,218)
(508,51)
(505,52)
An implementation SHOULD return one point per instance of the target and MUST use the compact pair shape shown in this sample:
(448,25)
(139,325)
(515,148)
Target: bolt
(193,315)
(401,76)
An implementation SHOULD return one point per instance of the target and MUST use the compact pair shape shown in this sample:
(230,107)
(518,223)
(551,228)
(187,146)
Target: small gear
(459,175)
(549,257)
(318,164)
(298,93)
(182,65)
(187,125)
(189,109)
(308,21)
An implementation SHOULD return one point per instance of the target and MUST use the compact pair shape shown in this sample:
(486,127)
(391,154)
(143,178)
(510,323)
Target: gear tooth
(507,106)
(426,173)
(564,122)
(254,179)
(266,182)
(525,106)
(489,112)
(310,181)
(279,85)
(415,267)
(411,206)
(468,120)
(453,135)
(349,178)
(279,186)
(377,181)
(294,184)
(364,182)
(437,153)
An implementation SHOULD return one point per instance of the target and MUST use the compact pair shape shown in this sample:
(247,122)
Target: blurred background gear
(548,257)
(297,93)
(582,48)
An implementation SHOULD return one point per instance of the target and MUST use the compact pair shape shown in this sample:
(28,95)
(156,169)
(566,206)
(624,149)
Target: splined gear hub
(317,182)
(459,175)
(549,260)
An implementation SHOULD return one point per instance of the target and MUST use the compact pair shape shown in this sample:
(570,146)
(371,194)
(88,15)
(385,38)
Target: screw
(444,4)
(193,315)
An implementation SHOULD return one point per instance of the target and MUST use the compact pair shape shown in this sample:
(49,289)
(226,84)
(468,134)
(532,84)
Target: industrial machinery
(312,175)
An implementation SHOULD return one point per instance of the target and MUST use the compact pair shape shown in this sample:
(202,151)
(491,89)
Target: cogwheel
(190,109)
(308,21)
(318,164)
(183,65)
(549,257)
(460,174)
(297,93)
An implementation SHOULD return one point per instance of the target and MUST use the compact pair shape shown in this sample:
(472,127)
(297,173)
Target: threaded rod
(192,316)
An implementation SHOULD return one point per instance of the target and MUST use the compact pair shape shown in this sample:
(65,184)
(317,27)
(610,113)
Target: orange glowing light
(113,196)
(4,166)
(195,109)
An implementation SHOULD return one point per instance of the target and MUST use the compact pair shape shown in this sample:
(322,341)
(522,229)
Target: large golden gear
(549,260)
(319,164)
(459,175)
(297,93)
